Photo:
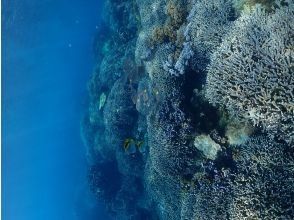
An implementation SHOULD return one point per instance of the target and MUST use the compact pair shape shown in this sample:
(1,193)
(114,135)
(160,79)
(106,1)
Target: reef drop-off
(191,110)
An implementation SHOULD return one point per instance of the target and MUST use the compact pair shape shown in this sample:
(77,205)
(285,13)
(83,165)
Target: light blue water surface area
(47,59)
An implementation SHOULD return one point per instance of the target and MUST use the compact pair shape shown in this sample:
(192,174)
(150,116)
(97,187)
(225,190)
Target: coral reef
(252,71)
(176,14)
(207,24)
(190,111)
(207,146)
(238,133)
(258,185)
(119,113)
(262,185)
(246,5)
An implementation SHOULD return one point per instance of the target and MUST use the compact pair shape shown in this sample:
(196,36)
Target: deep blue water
(47,59)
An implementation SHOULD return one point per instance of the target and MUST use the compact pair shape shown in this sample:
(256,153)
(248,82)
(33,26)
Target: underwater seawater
(47,59)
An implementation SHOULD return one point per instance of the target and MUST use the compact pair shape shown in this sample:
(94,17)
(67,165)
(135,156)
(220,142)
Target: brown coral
(168,32)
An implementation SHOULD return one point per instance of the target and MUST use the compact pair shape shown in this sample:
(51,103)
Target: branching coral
(263,184)
(207,23)
(252,72)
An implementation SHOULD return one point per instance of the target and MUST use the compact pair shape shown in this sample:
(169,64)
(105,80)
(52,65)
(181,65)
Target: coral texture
(262,185)
(207,24)
(251,74)
(179,145)
(207,146)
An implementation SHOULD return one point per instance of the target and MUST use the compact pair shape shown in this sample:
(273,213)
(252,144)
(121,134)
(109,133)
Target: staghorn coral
(251,74)
(207,24)
(263,183)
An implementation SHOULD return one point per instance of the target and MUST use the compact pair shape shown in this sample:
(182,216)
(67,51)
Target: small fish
(131,145)
(127,143)
(139,144)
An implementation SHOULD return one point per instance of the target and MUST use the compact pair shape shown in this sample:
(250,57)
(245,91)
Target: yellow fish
(139,144)
(127,143)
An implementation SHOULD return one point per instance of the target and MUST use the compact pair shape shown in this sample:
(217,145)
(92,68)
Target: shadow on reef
(183,121)
(203,115)
(105,179)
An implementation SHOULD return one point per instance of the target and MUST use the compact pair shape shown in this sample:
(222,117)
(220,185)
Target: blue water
(47,59)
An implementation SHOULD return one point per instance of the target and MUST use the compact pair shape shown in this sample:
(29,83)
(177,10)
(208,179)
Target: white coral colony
(251,73)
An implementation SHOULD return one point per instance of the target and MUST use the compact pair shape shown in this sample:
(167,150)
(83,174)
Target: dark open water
(47,59)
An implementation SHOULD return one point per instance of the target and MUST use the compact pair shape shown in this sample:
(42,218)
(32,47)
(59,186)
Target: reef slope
(191,110)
